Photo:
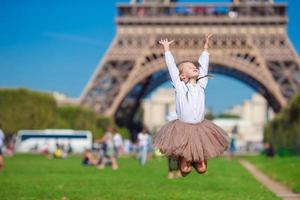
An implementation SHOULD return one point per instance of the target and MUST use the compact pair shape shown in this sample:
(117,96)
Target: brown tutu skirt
(194,142)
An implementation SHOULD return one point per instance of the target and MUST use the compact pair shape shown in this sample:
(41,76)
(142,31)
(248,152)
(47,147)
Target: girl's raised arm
(203,62)
(172,68)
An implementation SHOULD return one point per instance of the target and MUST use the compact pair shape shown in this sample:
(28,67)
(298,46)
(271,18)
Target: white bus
(47,140)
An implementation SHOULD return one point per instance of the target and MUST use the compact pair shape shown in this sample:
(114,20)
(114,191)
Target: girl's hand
(166,43)
(207,37)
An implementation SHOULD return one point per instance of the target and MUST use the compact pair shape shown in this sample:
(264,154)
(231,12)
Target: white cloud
(73,38)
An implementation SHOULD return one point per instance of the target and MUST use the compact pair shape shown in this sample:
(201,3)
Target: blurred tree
(228,115)
(23,109)
(75,117)
(284,130)
(209,116)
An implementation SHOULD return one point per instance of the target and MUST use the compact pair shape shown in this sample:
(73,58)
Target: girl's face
(189,70)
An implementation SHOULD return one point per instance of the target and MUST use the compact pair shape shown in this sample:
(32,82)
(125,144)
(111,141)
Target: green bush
(23,109)
(124,132)
(76,118)
(209,116)
(284,130)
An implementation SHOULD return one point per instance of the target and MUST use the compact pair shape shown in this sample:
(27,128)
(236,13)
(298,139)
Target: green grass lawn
(283,169)
(36,177)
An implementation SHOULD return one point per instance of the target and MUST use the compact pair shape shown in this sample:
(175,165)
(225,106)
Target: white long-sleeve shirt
(189,99)
(2,137)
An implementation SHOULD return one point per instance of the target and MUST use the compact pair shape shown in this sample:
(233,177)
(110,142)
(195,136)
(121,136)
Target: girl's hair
(180,67)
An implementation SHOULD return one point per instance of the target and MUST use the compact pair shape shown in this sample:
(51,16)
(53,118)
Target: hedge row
(24,109)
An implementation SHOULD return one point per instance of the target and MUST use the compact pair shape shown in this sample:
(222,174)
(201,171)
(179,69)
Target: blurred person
(118,142)
(10,147)
(65,151)
(69,148)
(173,169)
(35,148)
(45,148)
(2,137)
(143,140)
(232,146)
(150,149)
(110,151)
(127,146)
(88,158)
(58,152)
(269,150)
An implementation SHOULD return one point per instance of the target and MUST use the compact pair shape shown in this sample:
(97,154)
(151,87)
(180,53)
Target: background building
(158,107)
(248,128)
(62,99)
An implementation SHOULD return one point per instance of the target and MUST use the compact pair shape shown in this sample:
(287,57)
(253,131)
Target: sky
(56,45)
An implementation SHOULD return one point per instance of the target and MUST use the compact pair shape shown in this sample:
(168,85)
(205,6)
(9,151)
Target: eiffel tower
(250,43)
